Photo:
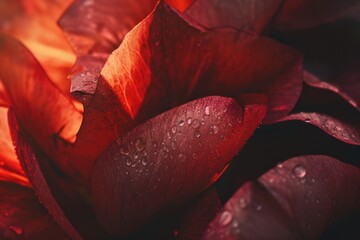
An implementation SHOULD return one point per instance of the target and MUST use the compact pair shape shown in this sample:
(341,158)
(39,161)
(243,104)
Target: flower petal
(168,160)
(342,131)
(10,168)
(155,62)
(349,91)
(23,217)
(94,29)
(300,199)
(236,14)
(307,13)
(34,23)
(46,114)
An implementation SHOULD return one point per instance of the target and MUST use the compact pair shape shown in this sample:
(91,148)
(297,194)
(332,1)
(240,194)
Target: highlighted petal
(168,160)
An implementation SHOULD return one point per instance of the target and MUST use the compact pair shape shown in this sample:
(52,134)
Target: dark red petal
(168,160)
(236,14)
(346,132)
(10,168)
(23,217)
(96,28)
(307,13)
(155,62)
(298,199)
(350,90)
(34,23)
(198,216)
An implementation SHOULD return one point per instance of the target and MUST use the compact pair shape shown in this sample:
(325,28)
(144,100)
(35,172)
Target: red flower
(158,121)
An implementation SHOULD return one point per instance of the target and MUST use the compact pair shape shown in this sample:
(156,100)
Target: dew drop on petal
(125,150)
(128,161)
(207,110)
(258,207)
(197,134)
(139,145)
(189,120)
(195,156)
(181,123)
(195,123)
(225,218)
(17,230)
(242,203)
(214,129)
(144,161)
(173,129)
(182,157)
(299,171)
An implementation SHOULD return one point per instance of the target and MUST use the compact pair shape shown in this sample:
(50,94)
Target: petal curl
(298,199)
(168,160)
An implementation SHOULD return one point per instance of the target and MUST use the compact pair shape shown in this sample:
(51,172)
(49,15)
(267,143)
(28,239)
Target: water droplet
(165,154)
(139,145)
(242,203)
(214,129)
(189,120)
(313,180)
(307,120)
(225,218)
(181,123)
(299,171)
(136,156)
(197,134)
(125,150)
(182,157)
(258,208)
(17,230)
(173,145)
(207,110)
(280,165)
(144,161)
(6,214)
(173,129)
(157,43)
(128,161)
(195,156)
(154,144)
(317,201)
(168,135)
(195,123)
(133,165)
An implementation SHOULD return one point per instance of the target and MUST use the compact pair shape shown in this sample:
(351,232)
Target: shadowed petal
(168,160)
(23,217)
(298,199)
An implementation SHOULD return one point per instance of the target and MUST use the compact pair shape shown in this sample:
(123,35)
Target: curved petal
(34,23)
(296,14)
(94,29)
(297,200)
(10,168)
(349,91)
(45,113)
(168,160)
(237,14)
(342,131)
(23,217)
(155,62)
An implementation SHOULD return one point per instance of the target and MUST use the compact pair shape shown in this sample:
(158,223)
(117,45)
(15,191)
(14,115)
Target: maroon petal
(298,199)
(23,217)
(169,160)
(236,14)
(198,216)
(96,28)
(342,131)
(349,91)
(155,62)
(296,14)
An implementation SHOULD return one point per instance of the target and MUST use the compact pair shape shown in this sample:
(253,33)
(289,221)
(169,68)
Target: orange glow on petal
(34,23)
(10,168)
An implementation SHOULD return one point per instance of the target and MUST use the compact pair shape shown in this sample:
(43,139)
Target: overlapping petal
(298,199)
(34,23)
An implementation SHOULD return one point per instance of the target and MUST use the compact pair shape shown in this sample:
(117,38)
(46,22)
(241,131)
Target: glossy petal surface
(168,160)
